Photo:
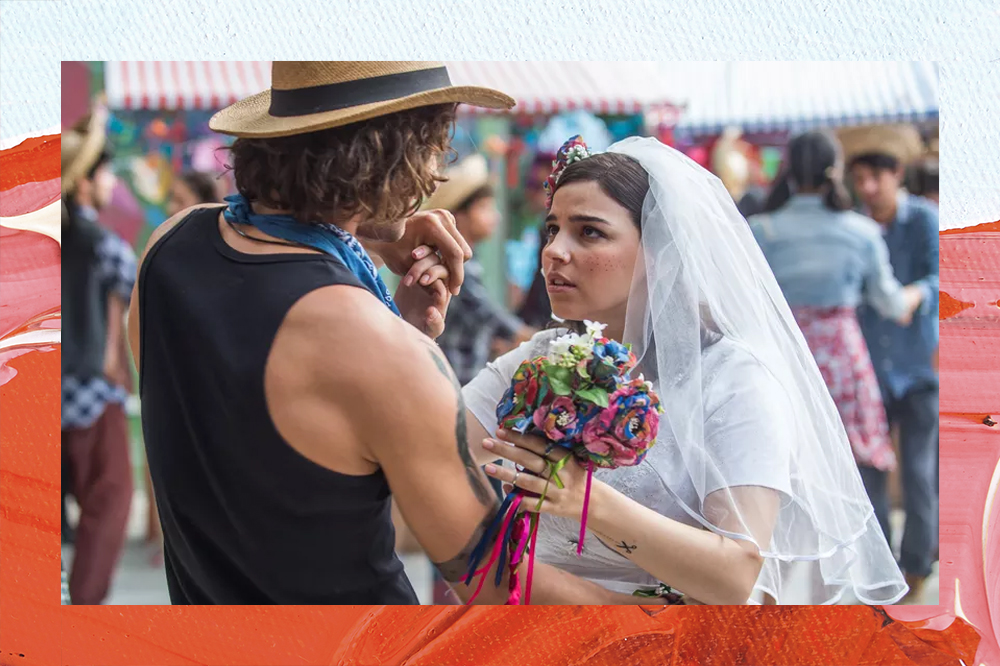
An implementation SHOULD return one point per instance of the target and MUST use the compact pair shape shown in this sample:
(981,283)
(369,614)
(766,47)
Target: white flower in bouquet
(648,385)
(595,329)
(559,349)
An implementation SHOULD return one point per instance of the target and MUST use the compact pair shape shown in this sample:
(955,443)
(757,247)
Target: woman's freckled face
(592,244)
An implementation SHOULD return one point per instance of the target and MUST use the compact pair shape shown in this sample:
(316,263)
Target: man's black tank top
(246,519)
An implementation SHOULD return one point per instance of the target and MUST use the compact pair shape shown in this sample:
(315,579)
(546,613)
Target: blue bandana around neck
(327,238)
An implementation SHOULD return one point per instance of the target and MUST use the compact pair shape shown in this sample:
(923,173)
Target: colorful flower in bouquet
(614,360)
(562,420)
(622,433)
(582,398)
(529,389)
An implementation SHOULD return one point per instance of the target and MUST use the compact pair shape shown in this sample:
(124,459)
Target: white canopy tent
(776,96)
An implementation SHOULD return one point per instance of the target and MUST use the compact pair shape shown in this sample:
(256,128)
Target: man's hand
(424,307)
(430,245)
(914,296)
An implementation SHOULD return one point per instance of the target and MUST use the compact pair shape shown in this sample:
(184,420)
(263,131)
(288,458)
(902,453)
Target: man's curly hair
(382,168)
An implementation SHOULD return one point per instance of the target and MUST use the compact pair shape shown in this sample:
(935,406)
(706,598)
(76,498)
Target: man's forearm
(549,586)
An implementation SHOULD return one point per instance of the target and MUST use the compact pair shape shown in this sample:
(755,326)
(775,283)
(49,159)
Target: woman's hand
(431,245)
(535,454)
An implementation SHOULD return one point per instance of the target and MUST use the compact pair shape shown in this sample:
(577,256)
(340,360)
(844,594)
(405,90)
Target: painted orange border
(37,630)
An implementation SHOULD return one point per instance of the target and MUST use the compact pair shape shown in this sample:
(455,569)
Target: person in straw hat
(903,356)
(287,396)
(923,174)
(98,272)
(731,163)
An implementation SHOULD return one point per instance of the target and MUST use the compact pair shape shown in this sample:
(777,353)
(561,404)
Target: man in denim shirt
(904,356)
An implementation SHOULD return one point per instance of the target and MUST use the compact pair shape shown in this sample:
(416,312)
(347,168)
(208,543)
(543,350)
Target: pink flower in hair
(573,150)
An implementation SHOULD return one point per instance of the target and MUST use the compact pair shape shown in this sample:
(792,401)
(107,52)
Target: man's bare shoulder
(171,222)
(347,337)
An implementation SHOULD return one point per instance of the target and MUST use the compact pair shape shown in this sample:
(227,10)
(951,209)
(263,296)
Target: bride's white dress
(744,431)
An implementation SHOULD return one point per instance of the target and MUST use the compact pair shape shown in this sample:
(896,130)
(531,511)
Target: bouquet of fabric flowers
(580,397)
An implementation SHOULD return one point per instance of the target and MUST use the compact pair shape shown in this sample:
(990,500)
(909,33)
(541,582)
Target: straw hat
(730,163)
(463,179)
(81,147)
(900,141)
(316,95)
(931,152)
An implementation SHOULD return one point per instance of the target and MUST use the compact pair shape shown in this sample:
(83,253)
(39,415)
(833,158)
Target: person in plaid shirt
(98,270)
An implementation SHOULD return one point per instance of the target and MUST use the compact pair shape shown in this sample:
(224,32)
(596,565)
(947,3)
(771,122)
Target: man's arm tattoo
(483,492)
(455,569)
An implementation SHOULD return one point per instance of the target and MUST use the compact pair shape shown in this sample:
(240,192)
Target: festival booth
(763,104)
(159,128)
(161,110)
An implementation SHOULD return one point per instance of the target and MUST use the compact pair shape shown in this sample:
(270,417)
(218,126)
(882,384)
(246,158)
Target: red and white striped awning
(554,87)
(538,87)
(159,85)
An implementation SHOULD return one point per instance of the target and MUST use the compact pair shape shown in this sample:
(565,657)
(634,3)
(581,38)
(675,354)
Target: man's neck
(351,225)
(888,214)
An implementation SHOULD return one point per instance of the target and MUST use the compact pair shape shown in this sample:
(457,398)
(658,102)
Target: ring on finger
(513,481)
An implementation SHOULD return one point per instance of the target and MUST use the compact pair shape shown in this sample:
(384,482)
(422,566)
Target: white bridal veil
(701,278)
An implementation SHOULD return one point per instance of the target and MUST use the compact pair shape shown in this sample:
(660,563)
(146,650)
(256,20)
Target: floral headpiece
(572,151)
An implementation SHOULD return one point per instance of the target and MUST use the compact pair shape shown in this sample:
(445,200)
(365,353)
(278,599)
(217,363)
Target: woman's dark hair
(535,310)
(483,192)
(202,185)
(620,177)
(810,160)
(382,168)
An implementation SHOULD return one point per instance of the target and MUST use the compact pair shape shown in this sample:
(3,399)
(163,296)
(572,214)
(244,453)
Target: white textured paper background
(35,35)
